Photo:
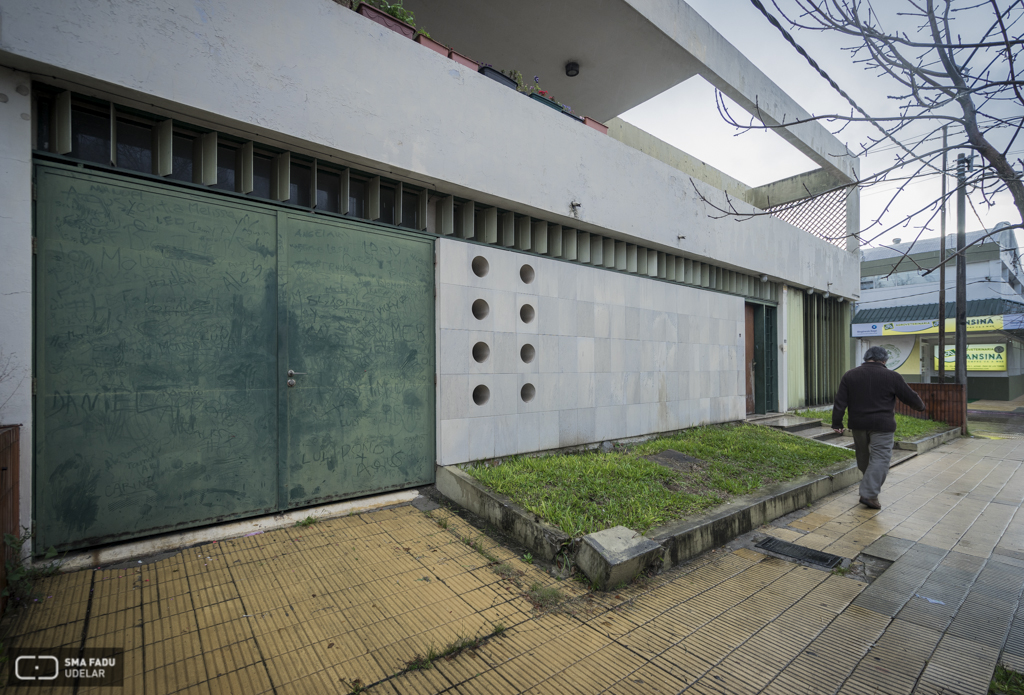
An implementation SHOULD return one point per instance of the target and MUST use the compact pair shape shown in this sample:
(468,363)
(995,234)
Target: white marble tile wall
(575,354)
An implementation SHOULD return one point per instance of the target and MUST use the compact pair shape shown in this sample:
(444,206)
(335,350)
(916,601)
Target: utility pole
(942,270)
(962,164)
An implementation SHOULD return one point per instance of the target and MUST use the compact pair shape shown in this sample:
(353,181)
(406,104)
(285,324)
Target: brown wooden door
(749,334)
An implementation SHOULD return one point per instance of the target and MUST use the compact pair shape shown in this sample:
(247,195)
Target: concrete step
(817,432)
(791,423)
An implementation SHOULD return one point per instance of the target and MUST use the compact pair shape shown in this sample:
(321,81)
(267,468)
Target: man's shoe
(871,504)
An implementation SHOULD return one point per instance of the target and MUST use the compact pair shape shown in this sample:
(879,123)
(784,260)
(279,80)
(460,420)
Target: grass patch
(907,428)
(587,492)
(478,546)
(460,644)
(307,522)
(22,576)
(544,597)
(506,571)
(1006,682)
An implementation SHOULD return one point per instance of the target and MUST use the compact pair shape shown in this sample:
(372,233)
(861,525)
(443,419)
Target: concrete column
(620,256)
(540,236)
(490,226)
(16,280)
(523,234)
(570,244)
(853,221)
(508,229)
(555,240)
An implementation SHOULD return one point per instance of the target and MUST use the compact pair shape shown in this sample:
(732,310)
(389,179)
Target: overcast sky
(687,118)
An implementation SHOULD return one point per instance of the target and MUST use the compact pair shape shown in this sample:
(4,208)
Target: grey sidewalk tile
(958,666)
(923,556)
(982,624)
(962,561)
(1014,645)
(1017,560)
(884,602)
(889,548)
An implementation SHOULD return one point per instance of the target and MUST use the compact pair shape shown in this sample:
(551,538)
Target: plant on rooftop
(390,15)
(423,39)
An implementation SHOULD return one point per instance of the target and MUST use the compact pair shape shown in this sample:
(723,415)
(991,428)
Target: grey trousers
(874,451)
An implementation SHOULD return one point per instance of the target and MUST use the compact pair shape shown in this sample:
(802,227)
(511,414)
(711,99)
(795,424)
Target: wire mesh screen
(823,216)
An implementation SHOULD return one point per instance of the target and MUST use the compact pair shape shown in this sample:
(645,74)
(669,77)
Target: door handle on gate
(292,372)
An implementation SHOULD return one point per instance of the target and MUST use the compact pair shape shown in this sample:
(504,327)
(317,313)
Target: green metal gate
(766,359)
(826,347)
(166,322)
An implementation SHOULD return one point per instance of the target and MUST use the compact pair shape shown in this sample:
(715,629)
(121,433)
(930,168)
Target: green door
(766,368)
(164,330)
(359,401)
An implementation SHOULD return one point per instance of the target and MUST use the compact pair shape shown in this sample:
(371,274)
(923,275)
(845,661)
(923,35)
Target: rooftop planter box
(463,60)
(386,20)
(547,102)
(424,40)
(497,76)
(596,125)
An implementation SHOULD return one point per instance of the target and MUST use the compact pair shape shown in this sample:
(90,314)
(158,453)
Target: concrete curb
(929,442)
(542,539)
(683,540)
(679,541)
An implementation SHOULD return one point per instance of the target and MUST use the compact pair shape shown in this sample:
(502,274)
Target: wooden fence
(9,465)
(944,402)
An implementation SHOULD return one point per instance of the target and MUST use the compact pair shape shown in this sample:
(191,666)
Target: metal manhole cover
(798,552)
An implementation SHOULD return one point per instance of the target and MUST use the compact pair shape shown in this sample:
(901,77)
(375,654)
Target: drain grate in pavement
(798,552)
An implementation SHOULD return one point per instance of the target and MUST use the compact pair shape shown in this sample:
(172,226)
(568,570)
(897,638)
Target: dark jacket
(870,392)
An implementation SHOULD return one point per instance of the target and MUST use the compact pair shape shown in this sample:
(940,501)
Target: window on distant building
(357,190)
(387,204)
(410,209)
(135,145)
(90,134)
(182,157)
(227,167)
(300,181)
(328,191)
(262,174)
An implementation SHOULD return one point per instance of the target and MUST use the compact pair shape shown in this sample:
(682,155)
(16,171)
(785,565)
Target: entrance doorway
(761,358)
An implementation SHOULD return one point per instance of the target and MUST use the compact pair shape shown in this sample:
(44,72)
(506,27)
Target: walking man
(870,392)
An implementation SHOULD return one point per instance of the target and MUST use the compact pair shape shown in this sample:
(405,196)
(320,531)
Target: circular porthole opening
(527,313)
(527,274)
(528,352)
(528,392)
(481,352)
(481,394)
(480,266)
(480,309)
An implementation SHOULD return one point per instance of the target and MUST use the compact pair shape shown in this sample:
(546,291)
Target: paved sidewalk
(348,602)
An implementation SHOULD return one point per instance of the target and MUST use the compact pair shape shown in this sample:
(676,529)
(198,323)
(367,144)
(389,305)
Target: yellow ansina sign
(980,358)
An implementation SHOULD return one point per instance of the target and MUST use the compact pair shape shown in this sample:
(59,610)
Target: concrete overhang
(628,51)
(624,59)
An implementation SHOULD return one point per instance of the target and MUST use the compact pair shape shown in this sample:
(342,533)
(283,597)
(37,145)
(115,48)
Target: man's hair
(876,354)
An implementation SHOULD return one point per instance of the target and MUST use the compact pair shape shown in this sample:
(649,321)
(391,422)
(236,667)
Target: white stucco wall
(313,76)
(16,269)
(615,355)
